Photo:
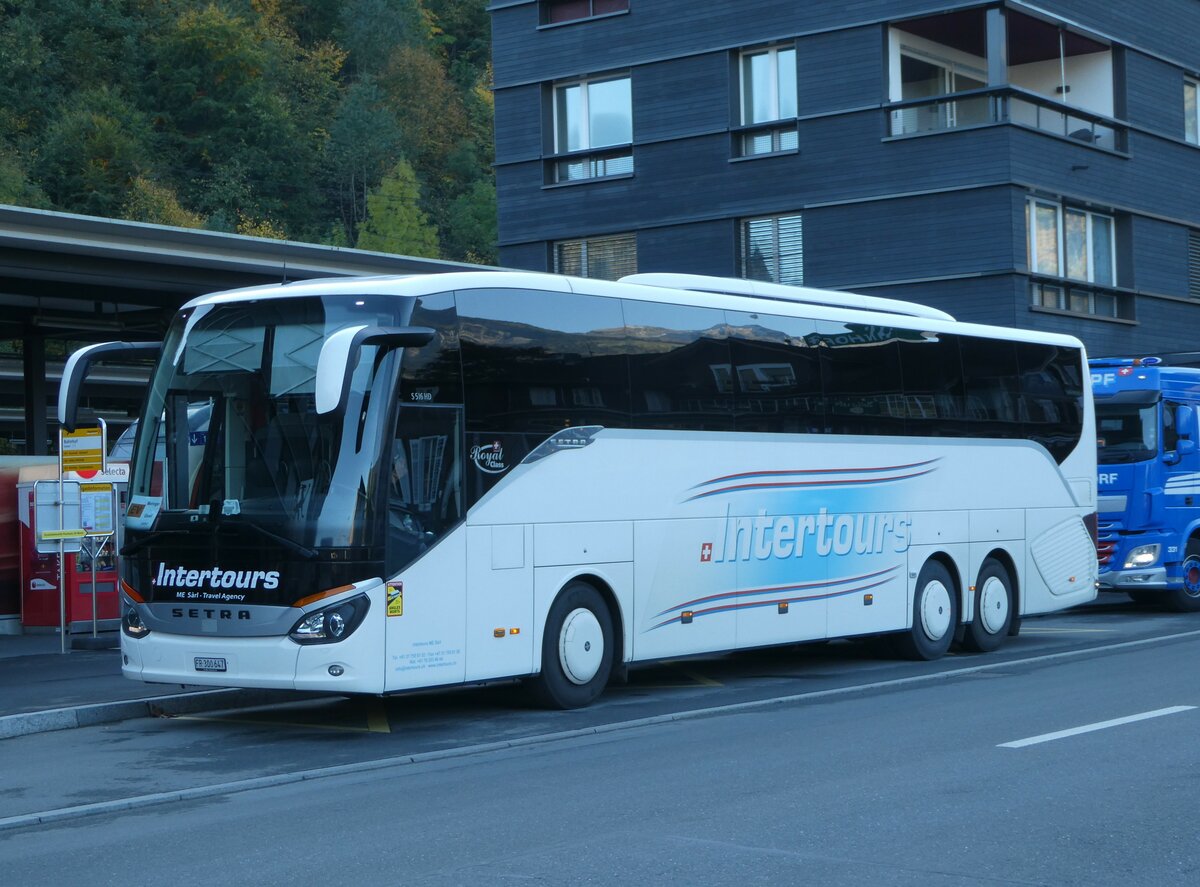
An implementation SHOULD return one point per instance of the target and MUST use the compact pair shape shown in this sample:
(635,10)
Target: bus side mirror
(339,358)
(76,371)
(1185,427)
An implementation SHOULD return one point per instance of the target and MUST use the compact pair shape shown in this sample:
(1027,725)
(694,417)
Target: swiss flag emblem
(706,552)
(1125,371)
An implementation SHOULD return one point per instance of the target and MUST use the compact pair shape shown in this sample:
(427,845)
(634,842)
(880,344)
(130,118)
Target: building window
(593,123)
(772,249)
(1077,245)
(1191,123)
(1072,243)
(768,95)
(1194,264)
(555,11)
(605,258)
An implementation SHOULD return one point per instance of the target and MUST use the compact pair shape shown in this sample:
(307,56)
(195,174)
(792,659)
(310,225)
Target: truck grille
(1106,542)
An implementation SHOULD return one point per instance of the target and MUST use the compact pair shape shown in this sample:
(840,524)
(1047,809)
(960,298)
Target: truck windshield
(231,437)
(1126,432)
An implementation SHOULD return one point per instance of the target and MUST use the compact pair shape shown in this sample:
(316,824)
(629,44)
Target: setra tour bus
(372,485)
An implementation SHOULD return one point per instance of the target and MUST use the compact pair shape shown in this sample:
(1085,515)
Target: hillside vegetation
(349,122)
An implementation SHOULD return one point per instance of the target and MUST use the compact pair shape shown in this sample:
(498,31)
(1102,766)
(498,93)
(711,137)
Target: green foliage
(279,118)
(147,201)
(395,222)
(92,151)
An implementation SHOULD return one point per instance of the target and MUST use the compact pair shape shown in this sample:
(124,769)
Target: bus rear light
(331,624)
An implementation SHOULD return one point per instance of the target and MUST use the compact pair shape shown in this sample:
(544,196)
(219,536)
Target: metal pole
(95,551)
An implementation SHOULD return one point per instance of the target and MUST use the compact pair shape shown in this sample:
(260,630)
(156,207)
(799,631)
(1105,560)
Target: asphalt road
(1022,767)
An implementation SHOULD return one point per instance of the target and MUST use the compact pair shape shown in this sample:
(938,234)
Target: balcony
(983,107)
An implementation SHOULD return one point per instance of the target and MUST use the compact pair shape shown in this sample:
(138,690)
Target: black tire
(572,674)
(1187,598)
(934,615)
(994,609)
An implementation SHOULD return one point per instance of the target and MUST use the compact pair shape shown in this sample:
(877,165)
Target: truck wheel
(993,609)
(934,616)
(577,649)
(1187,598)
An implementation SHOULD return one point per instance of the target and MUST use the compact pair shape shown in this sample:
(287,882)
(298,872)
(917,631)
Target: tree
(362,148)
(148,201)
(471,225)
(92,152)
(395,222)
(15,187)
(371,29)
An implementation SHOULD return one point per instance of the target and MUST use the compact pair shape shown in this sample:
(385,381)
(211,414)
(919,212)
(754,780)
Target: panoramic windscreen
(232,434)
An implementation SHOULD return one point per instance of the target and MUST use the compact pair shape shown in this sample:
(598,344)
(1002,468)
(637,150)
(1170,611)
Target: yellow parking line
(377,719)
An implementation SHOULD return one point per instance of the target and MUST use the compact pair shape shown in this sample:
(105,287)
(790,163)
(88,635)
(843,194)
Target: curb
(49,720)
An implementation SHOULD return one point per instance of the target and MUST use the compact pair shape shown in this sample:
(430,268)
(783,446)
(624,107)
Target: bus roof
(829,305)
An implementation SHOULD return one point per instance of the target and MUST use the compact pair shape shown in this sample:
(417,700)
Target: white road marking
(1091,728)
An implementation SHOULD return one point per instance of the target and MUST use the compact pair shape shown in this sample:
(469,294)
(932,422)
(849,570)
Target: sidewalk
(42,689)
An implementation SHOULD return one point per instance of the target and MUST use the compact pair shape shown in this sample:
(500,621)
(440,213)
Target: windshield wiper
(134,547)
(1114,458)
(303,550)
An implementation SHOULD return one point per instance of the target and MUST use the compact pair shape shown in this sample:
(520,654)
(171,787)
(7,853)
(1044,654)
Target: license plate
(209,663)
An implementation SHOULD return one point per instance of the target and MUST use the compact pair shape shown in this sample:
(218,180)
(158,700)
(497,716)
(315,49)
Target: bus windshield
(1126,432)
(231,437)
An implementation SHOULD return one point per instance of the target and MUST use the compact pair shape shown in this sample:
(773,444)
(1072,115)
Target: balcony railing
(1076,297)
(1005,105)
(775,137)
(581,166)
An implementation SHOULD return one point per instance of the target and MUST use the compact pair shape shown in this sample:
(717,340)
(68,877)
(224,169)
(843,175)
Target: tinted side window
(863,393)
(934,396)
(433,373)
(776,374)
(538,362)
(1051,396)
(990,368)
(680,369)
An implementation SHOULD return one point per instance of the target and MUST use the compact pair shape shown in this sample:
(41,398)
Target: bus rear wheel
(577,649)
(1186,599)
(934,615)
(993,609)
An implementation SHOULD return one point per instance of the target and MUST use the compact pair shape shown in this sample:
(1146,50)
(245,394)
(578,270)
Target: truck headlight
(1142,556)
(331,624)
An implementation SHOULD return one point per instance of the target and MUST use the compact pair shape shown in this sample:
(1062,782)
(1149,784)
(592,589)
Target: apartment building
(1029,165)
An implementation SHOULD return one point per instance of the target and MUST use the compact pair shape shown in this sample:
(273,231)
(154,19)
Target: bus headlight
(1142,556)
(131,623)
(331,624)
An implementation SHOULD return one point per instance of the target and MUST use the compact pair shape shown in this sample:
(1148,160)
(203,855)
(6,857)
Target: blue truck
(1148,533)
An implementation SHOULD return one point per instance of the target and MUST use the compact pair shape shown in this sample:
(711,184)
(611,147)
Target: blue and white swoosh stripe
(1183,485)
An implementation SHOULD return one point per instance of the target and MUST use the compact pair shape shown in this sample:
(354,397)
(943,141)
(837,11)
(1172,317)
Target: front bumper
(1154,579)
(274,662)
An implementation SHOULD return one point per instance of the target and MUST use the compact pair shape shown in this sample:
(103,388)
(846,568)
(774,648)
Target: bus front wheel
(993,609)
(577,649)
(934,616)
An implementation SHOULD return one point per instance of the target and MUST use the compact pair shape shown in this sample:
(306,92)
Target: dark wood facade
(937,217)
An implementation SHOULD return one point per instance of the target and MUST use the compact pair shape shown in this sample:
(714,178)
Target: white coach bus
(372,485)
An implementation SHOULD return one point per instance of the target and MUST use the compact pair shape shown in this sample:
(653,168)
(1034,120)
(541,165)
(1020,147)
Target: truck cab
(1148,480)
